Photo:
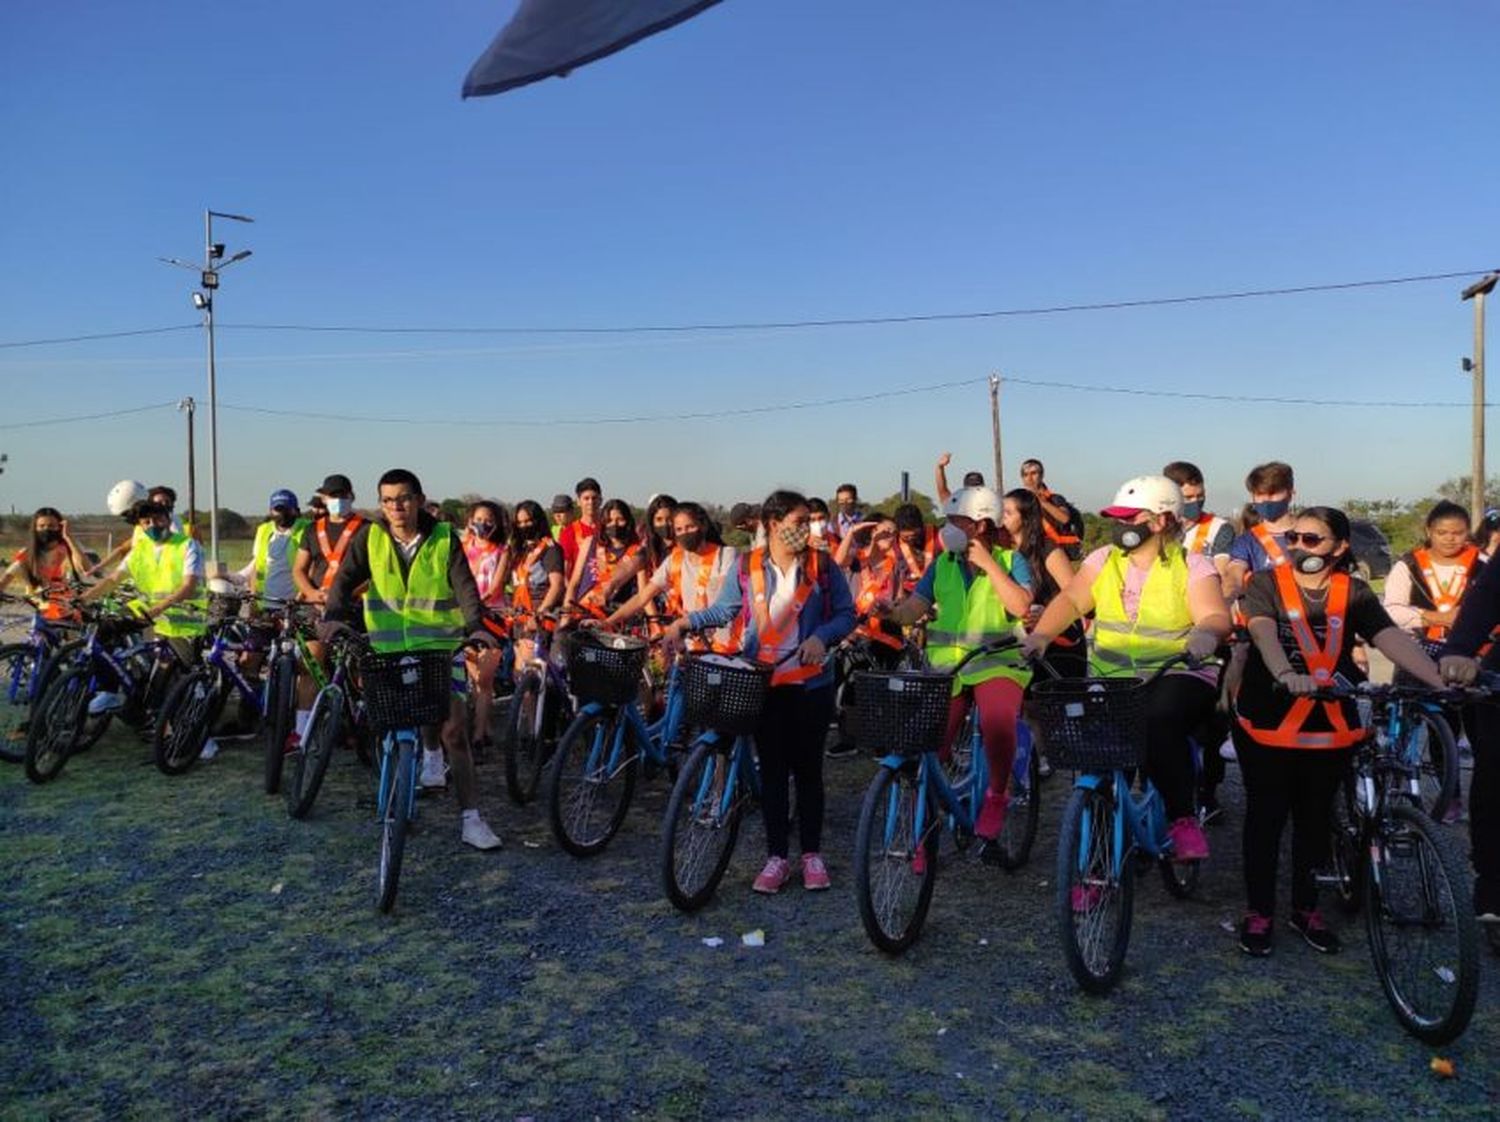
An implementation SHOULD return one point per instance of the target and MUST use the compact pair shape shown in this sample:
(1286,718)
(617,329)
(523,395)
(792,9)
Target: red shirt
(573,535)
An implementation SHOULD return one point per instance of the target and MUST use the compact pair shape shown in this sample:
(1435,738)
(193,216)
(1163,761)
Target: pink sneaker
(1085,897)
(1188,842)
(992,814)
(814,873)
(777,872)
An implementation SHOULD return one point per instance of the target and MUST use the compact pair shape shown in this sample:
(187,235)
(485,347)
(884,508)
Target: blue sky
(766,161)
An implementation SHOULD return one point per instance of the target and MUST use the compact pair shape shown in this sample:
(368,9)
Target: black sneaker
(842,750)
(1318,935)
(1255,934)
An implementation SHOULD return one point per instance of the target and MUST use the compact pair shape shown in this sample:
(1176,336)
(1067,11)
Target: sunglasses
(1311,541)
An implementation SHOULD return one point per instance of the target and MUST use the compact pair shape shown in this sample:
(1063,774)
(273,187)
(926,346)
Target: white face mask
(339,507)
(953,539)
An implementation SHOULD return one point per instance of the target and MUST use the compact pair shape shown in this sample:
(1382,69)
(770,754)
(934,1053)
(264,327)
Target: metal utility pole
(208,278)
(1477,292)
(187,405)
(995,433)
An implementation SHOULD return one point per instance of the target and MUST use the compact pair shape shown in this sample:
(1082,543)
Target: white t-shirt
(723,565)
(1216,536)
(779,605)
(281,548)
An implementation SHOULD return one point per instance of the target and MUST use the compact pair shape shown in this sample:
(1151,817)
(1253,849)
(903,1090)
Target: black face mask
(1307,562)
(1130,536)
(526,533)
(285,518)
(618,534)
(665,532)
(48,537)
(690,540)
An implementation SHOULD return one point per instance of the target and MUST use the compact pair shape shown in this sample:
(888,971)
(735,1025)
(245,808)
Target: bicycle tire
(1438,762)
(325,729)
(280,710)
(1023,815)
(522,747)
(94,724)
(1404,838)
(1347,860)
(1094,921)
(698,832)
(392,817)
(184,721)
(56,724)
(19,679)
(885,859)
(578,773)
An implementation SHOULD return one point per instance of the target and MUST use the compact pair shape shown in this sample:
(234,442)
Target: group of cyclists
(1268,607)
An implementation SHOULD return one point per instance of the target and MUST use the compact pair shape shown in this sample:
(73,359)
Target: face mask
(526,533)
(482,529)
(1307,562)
(340,507)
(158,533)
(1130,536)
(48,537)
(1192,511)
(817,526)
(794,538)
(1271,511)
(952,538)
(285,518)
(690,540)
(617,534)
(665,533)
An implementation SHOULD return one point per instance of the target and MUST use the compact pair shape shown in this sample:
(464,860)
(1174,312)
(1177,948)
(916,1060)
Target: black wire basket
(406,689)
(606,668)
(724,694)
(1090,724)
(222,606)
(902,712)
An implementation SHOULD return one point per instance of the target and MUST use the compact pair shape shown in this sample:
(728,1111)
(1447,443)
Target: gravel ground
(180,948)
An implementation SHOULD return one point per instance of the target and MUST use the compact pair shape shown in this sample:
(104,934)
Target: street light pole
(187,405)
(1477,292)
(995,432)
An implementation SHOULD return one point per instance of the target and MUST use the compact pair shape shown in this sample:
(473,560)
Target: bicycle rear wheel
(589,783)
(393,822)
(895,867)
(523,748)
(183,722)
(57,723)
(280,711)
(1024,812)
(701,826)
(325,728)
(1095,889)
(1431,745)
(1346,852)
(19,677)
(1424,940)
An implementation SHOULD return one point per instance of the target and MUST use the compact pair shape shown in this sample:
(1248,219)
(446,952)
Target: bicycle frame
(741,761)
(390,747)
(650,740)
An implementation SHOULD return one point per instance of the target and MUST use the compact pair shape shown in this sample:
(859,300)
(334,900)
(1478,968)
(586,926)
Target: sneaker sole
(1255,952)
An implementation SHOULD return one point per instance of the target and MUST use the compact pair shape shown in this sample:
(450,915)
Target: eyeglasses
(397,500)
(1311,541)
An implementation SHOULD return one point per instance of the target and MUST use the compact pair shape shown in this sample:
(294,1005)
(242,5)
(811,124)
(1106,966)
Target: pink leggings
(999,701)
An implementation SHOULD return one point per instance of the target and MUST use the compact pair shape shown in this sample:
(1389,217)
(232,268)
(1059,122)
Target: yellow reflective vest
(418,611)
(968,618)
(1163,620)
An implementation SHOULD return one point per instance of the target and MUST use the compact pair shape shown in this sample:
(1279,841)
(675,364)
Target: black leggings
(789,741)
(1299,783)
(1176,704)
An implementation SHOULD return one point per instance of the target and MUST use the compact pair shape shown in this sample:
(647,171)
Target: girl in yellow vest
(1152,600)
(1304,620)
(982,593)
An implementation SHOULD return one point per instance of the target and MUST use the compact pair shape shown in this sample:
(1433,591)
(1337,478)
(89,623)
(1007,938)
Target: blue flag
(549,38)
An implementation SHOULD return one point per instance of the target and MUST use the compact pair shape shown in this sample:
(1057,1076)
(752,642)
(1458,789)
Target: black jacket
(344,607)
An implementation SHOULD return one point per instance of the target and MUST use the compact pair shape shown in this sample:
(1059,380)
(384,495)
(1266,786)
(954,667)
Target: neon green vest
(1162,620)
(159,572)
(418,612)
(968,618)
(260,552)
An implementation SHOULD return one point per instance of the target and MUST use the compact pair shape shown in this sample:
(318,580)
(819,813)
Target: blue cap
(285,498)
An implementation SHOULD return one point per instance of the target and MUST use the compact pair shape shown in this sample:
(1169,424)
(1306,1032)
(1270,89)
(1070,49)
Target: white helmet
(124,495)
(1154,493)
(975,503)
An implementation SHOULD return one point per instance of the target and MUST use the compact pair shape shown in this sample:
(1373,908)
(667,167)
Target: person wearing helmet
(981,592)
(269,572)
(1152,600)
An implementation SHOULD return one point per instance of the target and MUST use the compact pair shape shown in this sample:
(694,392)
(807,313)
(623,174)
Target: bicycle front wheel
(523,748)
(1346,850)
(1024,812)
(325,726)
(1423,939)
(1432,748)
(184,720)
(590,783)
(57,723)
(895,859)
(19,675)
(393,822)
(280,710)
(701,826)
(1095,889)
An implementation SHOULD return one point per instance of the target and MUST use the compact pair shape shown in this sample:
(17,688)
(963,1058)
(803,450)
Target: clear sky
(770,160)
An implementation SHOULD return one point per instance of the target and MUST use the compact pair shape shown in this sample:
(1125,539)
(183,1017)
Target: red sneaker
(992,815)
(814,873)
(777,872)
(1188,842)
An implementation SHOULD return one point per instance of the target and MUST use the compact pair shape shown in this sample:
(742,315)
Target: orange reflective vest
(1322,661)
(1444,597)
(916,563)
(521,598)
(874,584)
(708,560)
(1197,540)
(604,568)
(772,632)
(1275,556)
(1054,535)
(334,553)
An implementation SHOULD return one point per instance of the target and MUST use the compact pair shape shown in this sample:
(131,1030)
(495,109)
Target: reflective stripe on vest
(159,571)
(1444,597)
(968,618)
(592,597)
(334,554)
(1322,662)
(1162,619)
(771,632)
(417,612)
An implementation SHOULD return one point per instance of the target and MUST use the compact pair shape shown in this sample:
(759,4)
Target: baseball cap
(336,485)
(283,497)
(561,503)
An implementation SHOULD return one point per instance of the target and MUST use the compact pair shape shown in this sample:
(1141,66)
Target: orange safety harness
(772,632)
(1198,540)
(875,583)
(1444,597)
(1321,662)
(708,559)
(916,563)
(522,596)
(604,568)
(1275,555)
(1054,535)
(334,554)
(53,580)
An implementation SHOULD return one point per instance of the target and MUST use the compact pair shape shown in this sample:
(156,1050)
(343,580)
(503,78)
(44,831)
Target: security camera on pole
(213,264)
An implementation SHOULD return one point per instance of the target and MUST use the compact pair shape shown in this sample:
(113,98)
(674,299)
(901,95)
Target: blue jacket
(829,616)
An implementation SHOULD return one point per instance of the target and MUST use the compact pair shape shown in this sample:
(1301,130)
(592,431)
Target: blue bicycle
(541,707)
(25,668)
(915,793)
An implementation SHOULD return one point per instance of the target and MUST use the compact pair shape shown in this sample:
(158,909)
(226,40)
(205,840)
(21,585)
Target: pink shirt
(1200,567)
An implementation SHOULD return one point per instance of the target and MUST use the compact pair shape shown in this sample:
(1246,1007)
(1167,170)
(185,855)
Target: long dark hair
(539,523)
(711,532)
(779,504)
(34,554)
(656,549)
(1338,525)
(1033,545)
(623,509)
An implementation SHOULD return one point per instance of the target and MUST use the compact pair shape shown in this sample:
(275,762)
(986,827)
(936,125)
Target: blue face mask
(1192,511)
(1271,511)
(158,533)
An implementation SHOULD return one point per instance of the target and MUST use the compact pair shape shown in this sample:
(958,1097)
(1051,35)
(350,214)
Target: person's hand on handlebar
(1298,685)
(1458,670)
(1202,645)
(482,638)
(812,652)
(671,638)
(1034,646)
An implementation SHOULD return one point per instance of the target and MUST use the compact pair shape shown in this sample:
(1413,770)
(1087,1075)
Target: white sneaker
(434,773)
(210,749)
(479,835)
(105,703)
(1226,750)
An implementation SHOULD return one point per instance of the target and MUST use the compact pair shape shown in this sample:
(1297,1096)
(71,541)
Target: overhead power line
(784,325)
(89,416)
